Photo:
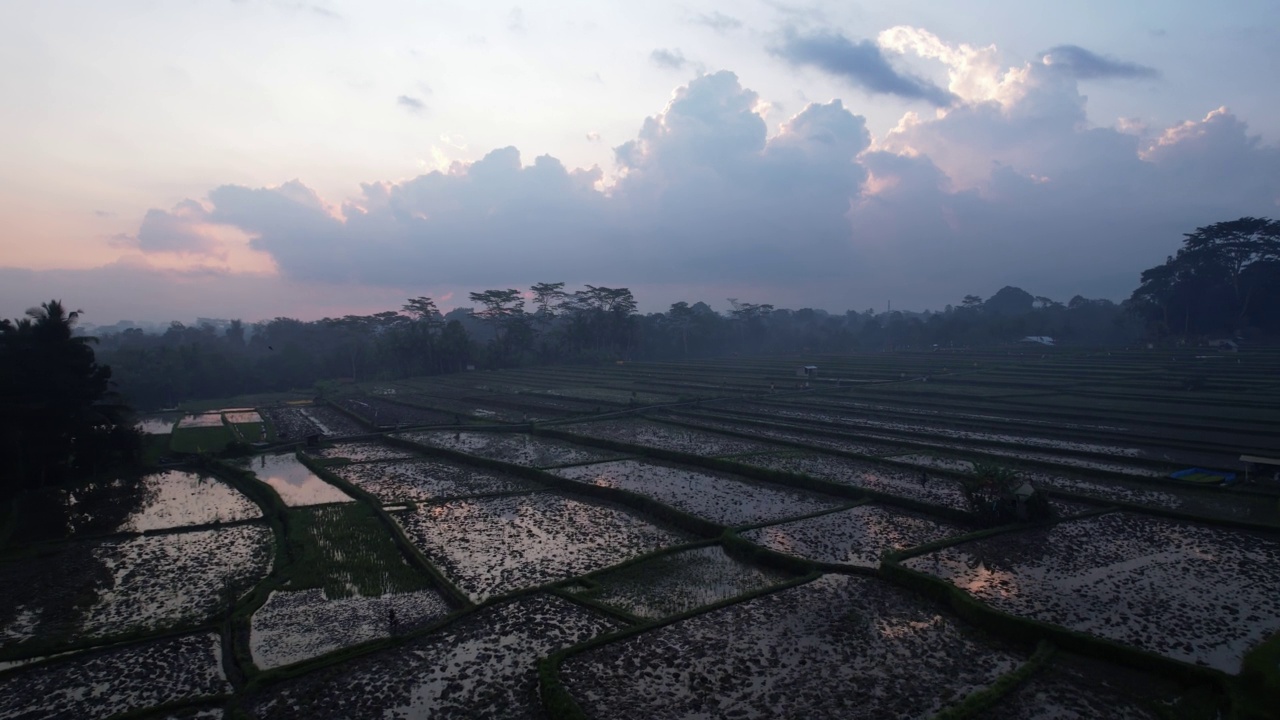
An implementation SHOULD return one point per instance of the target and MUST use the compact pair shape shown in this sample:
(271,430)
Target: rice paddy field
(707,539)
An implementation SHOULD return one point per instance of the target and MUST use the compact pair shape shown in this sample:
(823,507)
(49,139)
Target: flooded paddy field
(1193,593)
(841,646)
(99,589)
(175,498)
(718,497)
(858,473)
(857,536)
(677,582)
(381,412)
(290,423)
(296,626)
(669,437)
(1075,687)
(515,448)
(356,622)
(158,424)
(330,422)
(294,482)
(363,452)
(108,682)
(483,665)
(492,546)
(794,434)
(427,480)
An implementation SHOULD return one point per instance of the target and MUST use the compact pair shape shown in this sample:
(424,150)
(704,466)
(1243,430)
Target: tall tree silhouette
(58,418)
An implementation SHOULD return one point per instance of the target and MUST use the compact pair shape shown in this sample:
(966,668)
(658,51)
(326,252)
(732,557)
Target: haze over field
(255,159)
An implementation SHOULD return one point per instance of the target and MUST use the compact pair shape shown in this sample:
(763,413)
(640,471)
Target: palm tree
(58,418)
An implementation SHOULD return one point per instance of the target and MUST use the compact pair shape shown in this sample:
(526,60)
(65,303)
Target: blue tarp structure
(1204,477)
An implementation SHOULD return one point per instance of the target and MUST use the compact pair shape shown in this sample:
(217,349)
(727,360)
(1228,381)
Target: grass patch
(251,432)
(196,440)
(344,550)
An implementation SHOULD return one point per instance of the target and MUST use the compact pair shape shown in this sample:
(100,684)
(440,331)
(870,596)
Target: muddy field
(440,587)
(669,437)
(838,647)
(296,626)
(915,485)
(104,588)
(1190,592)
(677,582)
(857,537)
(718,497)
(515,448)
(110,682)
(492,546)
(427,480)
(483,666)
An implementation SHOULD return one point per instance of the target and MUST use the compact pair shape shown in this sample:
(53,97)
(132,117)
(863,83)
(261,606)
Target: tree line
(548,324)
(63,409)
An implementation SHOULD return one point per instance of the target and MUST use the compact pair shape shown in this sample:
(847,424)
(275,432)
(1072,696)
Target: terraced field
(671,540)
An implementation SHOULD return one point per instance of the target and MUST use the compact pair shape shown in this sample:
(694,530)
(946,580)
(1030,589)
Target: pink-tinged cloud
(1011,185)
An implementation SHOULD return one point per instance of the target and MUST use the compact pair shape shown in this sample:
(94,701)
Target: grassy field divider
(1255,692)
(977,704)
(641,503)
(806,516)
(1270,529)
(799,481)
(44,652)
(556,698)
(359,419)
(408,550)
(237,657)
(914,439)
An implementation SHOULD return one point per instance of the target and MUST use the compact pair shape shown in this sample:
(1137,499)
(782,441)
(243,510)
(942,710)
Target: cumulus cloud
(861,64)
(1087,65)
(1010,184)
(180,230)
(673,59)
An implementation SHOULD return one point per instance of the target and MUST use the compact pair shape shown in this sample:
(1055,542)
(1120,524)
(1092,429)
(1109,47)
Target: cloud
(411,104)
(1087,65)
(861,64)
(673,59)
(718,21)
(515,20)
(1009,185)
(180,230)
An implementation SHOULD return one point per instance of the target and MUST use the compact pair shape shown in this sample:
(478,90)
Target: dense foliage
(58,416)
(595,324)
(1225,279)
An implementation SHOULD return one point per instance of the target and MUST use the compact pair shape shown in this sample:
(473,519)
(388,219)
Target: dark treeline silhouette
(548,325)
(1225,279)
(1215,285)
(59,418)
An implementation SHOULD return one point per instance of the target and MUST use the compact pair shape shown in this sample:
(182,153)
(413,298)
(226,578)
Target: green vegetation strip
(978,703)
(408,550)
(345,551)
(197,440)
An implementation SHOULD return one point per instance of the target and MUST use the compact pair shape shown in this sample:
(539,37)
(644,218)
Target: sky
(168,159)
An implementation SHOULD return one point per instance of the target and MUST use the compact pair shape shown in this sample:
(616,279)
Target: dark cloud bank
(811,216)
